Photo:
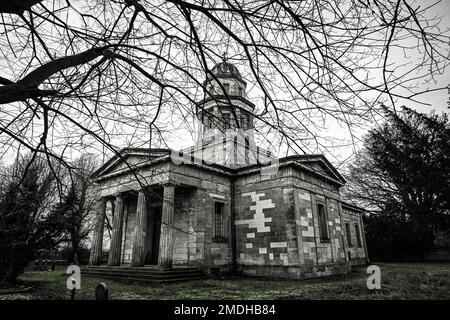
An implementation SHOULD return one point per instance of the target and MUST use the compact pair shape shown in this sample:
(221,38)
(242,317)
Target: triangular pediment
(319,165)
(127,159)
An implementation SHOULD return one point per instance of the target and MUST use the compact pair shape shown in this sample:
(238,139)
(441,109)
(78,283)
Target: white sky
(435,101)
(438,100)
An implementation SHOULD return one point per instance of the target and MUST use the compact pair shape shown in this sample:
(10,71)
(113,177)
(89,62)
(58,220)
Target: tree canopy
(403,174)
(102,74)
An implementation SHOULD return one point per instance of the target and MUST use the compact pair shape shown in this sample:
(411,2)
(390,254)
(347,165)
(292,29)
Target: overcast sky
(340,147)
(437,100)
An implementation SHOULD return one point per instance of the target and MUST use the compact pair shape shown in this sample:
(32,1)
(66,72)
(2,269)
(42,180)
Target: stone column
(140,232)
(166,240)
(116,236)
(95,257)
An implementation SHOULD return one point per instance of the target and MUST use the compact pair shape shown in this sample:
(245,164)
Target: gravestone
(101,292)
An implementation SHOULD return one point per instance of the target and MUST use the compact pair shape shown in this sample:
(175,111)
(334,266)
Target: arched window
(210,122)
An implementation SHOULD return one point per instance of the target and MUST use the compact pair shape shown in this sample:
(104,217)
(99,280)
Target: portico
(151,239)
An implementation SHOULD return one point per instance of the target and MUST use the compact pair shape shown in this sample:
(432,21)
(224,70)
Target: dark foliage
(68,254)
(404,173)
(392,237)
(27,227)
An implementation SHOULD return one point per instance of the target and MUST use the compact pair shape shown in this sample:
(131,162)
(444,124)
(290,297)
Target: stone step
(141,271)
(147,279)
(144,274)
(150,267)
(133,279)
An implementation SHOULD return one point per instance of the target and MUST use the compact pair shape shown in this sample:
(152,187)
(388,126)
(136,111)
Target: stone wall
(186,229)
(194,242)
(355,253)
(277,230)
(318,256)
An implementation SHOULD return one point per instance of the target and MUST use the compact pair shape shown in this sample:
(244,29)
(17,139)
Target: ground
(398,281)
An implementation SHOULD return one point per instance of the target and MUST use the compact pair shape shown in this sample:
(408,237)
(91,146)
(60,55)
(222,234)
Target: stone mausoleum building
(226,205)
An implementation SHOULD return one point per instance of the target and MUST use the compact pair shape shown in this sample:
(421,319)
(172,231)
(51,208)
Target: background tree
(27,225)
(77,205)
(403,173)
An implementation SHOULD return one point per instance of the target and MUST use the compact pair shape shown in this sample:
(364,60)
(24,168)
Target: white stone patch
(309,232)
(218,196)
(251,235)
(271,256)
(284,258)
(337,221)
(336,244)
(307,246)
(338,228)
(304,195)
(263,250)
(259,219)
(278,244)
(303,222)
(330,223)
(249,245)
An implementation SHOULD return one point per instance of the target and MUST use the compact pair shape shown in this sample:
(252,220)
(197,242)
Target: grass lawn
(398,281)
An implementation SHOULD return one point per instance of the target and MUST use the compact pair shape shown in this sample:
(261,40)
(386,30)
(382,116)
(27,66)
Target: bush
(392,237)
(67,254)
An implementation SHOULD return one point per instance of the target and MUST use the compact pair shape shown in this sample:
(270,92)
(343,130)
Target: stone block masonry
(277,227)
(277,231)
(229,214)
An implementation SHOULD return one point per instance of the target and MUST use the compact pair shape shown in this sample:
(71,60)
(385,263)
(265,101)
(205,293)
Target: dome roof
(226,69)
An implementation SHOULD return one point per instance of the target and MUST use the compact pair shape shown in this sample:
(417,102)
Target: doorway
(153,234)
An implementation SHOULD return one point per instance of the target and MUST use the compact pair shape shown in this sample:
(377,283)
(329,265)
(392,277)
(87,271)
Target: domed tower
(226,118)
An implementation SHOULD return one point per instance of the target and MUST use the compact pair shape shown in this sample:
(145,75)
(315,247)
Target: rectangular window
(227,120)
(235,151)
(247,151)
(243,122)
(323,228)
(226,86)
(248,124)
(349,234)
(358,236)
(219,210)
(224,145)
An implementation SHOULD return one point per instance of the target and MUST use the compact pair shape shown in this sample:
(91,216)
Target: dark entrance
(154,233)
